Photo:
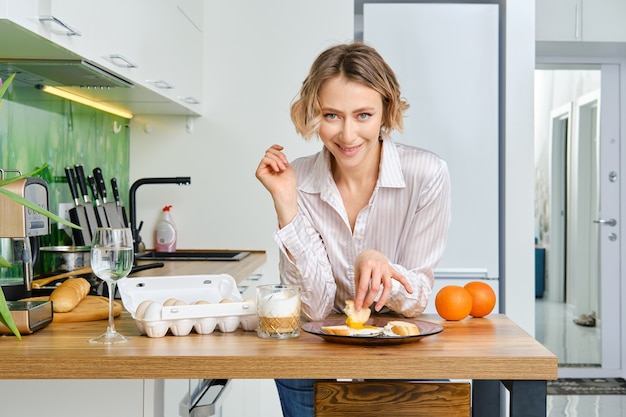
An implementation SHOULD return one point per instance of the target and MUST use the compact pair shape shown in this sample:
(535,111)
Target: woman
(365,218)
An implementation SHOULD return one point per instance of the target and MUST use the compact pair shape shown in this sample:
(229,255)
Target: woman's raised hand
(277,175)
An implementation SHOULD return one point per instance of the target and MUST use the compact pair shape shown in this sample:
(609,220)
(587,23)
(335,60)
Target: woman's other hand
(277,175)
(371,272)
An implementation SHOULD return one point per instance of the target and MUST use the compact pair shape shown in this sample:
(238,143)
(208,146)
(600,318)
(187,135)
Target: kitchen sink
(193,256)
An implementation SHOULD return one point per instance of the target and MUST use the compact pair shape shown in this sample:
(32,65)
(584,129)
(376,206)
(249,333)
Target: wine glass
(111,260)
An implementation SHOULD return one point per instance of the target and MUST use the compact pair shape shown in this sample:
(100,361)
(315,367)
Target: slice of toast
(356,319)
(403,328)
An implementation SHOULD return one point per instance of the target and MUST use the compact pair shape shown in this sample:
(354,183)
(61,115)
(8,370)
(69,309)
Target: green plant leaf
(6,181)
(6,318)
(6,84)
(36,208)
(5,315)
(21,200)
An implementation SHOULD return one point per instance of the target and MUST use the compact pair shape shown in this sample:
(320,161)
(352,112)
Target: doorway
(574,194)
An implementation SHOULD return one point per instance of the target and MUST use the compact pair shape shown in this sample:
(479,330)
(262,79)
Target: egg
(366,331)
(141,309)
(170,302)
(226,300)
(200,302)
(153,312)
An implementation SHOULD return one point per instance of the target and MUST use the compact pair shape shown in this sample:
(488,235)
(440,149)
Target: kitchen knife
(77,213)
(110,208)
(120,208)
(99,209)
(92,215)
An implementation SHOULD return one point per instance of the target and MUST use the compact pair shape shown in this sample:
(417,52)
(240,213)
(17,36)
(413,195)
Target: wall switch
(64,213)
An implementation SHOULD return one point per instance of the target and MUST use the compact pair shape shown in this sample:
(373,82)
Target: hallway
(574,346)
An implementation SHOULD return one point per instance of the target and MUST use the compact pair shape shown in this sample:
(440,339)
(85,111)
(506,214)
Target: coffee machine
(20,228)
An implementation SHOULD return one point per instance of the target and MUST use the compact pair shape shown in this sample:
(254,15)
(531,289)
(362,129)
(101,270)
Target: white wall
(256,56)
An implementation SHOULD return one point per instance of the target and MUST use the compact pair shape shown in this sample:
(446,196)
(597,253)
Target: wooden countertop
(239,270)
(488,348)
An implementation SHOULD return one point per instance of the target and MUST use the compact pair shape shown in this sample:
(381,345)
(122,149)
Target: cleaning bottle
(165,234)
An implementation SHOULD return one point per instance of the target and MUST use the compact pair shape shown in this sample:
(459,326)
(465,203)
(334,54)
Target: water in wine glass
(111,262)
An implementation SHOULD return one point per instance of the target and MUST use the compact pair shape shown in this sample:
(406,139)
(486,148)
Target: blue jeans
(296,397)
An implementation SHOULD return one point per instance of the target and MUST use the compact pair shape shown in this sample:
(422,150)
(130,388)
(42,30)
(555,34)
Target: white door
(577,213)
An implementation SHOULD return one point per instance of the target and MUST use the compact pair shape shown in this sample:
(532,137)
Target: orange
(453,302)
(483,298)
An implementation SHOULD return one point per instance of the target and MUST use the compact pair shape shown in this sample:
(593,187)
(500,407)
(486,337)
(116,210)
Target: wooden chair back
(392,398)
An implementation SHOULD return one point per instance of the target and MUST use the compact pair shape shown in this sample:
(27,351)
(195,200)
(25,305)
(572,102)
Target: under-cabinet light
(82,100)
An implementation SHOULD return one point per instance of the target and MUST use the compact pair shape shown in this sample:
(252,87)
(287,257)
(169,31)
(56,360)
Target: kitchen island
(489,351)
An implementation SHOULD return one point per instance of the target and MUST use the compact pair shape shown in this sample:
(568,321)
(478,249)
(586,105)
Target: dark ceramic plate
(426,329)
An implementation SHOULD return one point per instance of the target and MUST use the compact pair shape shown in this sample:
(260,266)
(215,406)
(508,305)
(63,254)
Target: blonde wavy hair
(356,62)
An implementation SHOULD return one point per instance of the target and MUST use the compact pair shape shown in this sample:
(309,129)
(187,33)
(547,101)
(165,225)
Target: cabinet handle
(188,100)
(577,22)
(70,30)
(122,61)
(161,84)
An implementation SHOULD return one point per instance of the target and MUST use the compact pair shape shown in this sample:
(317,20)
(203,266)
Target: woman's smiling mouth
(349,150)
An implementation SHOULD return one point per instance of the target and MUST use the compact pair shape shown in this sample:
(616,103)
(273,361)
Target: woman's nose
(347,130)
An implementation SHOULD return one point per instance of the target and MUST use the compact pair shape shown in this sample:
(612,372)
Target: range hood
(61,73)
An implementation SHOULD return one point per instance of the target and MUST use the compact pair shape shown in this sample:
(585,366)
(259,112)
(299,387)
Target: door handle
(610,222)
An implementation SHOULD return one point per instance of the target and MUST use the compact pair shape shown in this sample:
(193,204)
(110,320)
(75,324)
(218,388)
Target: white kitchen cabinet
(558,20)
(23,12)
(157,46)
(74,398)
(154,44)
(603,21)
(67,23)
(64,22)
(580,20)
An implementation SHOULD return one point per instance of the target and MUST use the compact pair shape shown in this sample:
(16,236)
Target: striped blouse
(406,219)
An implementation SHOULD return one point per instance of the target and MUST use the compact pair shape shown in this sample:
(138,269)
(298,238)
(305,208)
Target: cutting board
(93,307)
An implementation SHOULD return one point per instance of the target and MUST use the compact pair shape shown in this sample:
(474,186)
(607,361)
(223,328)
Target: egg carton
(180,304)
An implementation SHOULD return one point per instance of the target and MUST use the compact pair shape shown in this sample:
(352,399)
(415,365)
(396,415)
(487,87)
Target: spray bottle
(165,235)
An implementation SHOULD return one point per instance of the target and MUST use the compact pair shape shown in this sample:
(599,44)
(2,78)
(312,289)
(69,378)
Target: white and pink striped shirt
(406,219)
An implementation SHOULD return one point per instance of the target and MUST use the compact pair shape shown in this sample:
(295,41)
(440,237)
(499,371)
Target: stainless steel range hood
(61,73)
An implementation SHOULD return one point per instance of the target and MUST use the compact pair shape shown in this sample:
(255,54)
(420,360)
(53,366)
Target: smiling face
(352,114)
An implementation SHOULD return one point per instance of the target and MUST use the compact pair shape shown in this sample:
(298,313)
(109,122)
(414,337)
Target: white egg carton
(162,304)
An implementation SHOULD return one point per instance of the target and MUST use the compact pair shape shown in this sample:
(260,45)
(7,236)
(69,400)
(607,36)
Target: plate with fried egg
(360,328)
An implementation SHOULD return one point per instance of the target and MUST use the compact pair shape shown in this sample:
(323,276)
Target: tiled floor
(574,345)
(586,406)
(571,343)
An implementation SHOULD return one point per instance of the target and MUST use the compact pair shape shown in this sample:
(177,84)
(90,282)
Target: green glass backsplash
(37,128)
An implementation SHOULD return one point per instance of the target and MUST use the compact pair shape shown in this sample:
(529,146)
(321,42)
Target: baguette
(403,328)
(69,294)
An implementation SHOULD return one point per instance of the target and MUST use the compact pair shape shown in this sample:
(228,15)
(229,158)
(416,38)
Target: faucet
(131,201)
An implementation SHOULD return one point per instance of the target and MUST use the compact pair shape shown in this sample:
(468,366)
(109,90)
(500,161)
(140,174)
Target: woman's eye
(364,116)
(331,116)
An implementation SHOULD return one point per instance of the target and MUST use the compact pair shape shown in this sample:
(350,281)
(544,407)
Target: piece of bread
(342,330)
(69,294)
(356,319)
(403,328)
